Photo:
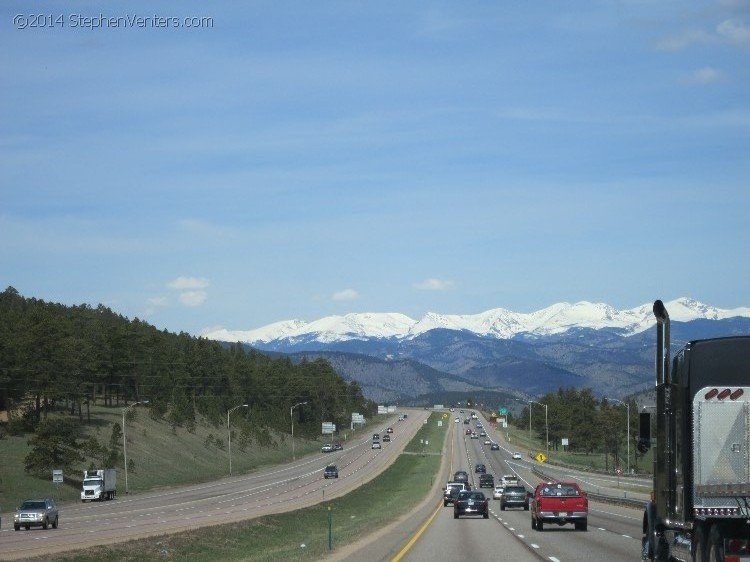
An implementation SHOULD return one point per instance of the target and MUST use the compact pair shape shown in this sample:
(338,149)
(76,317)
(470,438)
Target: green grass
(519,440)
(280,537)
(161,456)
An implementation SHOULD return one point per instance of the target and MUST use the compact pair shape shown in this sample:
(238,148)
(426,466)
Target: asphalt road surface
(272,490)
(428,533)
(431,533)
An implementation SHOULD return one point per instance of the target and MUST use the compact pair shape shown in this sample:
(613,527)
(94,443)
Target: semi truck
(99,485)
(700,504)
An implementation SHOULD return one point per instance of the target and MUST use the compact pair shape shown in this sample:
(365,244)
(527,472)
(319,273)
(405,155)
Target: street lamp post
(627,405)
(291,416)
(229,432)
(517,400)
(125,440)
(546,420)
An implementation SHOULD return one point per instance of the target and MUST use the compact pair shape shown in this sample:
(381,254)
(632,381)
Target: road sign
(503,411)
(541,457)
(618,471)
(57,476)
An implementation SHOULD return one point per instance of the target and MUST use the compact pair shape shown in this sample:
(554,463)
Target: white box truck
(99,485)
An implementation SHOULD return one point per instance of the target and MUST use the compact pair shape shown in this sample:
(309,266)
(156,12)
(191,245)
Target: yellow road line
(427,523)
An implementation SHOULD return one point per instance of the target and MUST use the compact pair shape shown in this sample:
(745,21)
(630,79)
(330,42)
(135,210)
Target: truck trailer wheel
(715,545)
(699,550)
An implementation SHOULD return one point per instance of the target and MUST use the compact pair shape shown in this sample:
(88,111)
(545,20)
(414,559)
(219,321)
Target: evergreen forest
(56,361)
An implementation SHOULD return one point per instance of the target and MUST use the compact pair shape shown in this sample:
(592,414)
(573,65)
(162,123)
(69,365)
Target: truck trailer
(700,505)
(99,485)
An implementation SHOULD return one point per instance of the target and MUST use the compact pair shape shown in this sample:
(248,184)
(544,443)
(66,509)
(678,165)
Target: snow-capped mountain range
(497,323)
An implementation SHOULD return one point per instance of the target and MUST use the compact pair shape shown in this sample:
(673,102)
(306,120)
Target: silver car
(36,513)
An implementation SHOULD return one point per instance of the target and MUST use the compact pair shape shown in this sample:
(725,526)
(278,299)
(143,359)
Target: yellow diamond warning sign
(541,457)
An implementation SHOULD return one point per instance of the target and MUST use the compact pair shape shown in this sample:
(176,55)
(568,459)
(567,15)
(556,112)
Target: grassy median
(302,534)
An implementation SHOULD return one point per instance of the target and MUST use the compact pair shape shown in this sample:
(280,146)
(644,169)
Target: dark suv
(486,481)
(461,476)
(514,496)
(331,472)
(471,503)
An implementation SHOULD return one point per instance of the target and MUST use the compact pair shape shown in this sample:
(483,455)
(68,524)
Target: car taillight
(737,546)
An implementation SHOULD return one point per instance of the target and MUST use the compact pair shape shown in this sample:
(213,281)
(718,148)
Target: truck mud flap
(653,544)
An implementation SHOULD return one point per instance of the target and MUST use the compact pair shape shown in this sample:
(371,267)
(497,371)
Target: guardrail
(614,500)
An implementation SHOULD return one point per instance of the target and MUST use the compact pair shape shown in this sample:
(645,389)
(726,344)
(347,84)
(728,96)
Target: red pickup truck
(559,503)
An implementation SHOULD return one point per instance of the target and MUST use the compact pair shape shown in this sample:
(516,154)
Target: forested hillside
(59,359)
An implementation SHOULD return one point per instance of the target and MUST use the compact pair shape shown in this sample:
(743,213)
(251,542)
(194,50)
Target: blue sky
(302,159)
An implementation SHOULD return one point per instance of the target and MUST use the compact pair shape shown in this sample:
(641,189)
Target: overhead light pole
(546,420)
(229,432)
(125,440)
(627,405)
(291,416)
(529,402)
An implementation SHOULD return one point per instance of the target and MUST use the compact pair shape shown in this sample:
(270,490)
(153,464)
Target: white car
(376,445)
(457,420)
(327,448)
(509,480)
(487,442)
(498,492)
(517,456)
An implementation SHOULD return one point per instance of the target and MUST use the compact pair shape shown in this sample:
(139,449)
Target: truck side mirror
(644,432)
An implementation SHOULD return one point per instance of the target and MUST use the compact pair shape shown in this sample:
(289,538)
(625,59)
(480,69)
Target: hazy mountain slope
(611,360)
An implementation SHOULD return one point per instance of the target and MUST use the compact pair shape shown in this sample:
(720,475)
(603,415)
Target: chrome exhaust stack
(662,343)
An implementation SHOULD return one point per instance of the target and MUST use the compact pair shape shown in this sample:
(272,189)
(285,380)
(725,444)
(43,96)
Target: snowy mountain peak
(499,323)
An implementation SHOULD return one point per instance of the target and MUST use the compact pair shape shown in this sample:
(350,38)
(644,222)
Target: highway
(431,533)
(272,490)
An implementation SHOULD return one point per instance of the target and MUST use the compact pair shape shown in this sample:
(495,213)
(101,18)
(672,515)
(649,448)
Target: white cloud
(157,302)
(193,298)
(188,283)
(434,285)
(705,75)
(683,40)
(191,290)
(345,295)
(734,30)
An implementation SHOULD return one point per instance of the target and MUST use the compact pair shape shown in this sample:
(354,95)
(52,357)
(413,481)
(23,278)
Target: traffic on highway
(273,490)
(610,532)
(467,516)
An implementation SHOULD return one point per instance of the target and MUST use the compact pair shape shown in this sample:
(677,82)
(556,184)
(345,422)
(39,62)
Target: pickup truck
(559,503)
(451,491)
